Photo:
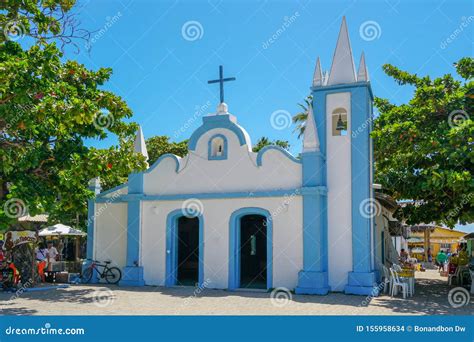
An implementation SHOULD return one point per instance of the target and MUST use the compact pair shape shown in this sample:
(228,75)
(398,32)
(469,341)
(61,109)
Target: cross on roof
(221,80)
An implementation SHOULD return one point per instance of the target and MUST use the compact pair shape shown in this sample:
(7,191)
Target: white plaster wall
(239,172)
(339,195)
(287,238)
(110,234)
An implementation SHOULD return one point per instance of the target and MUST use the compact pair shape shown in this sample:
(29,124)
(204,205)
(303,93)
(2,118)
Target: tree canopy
(264,141)
(424,148)
(160,144)
(48,110)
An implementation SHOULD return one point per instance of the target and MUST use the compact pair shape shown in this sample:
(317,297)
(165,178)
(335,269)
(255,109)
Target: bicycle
(112,275)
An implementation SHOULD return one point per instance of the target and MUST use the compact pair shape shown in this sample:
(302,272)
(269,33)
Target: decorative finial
(222,108)
(342,68)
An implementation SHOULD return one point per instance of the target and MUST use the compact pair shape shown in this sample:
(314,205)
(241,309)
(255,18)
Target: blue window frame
(217,147)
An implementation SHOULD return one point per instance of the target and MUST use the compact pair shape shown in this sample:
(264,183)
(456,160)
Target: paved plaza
(431,298)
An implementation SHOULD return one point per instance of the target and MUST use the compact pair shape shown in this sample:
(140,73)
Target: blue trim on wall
(210,195)
(162,157)
(216,121)
(133,233)
(234,245)
(313,279)
(90,228)
(172,247)
(278,148)
(361,185)
(135,183)
(340,88)
(209,148)
(132,273)
(102,194)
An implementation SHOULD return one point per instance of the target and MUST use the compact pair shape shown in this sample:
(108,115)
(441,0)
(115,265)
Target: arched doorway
(184,250)
(250,260)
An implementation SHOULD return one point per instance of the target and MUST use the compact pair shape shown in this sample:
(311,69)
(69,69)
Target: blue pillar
(362,279)
(94,186)
(132,274)
(313,279)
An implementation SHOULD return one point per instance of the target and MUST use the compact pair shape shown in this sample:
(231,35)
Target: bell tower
(342,111)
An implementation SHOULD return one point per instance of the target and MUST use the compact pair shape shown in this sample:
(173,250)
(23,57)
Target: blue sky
(161,69)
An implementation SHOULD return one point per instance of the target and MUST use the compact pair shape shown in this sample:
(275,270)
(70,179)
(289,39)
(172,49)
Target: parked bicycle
(112,275)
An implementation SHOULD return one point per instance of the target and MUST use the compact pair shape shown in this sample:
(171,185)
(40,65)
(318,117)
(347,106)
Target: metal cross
(221,80)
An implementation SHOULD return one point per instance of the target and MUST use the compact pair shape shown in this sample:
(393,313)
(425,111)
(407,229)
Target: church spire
(363,73)
(311,138)
(342,68)
(139,145)
(318,75)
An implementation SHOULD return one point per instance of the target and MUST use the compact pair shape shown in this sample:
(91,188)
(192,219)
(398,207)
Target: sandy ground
(431,298)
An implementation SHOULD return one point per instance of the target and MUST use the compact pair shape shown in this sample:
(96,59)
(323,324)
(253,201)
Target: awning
(60,230)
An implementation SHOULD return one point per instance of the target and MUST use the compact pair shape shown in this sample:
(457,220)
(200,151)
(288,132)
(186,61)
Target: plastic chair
(387,280)
(396,283)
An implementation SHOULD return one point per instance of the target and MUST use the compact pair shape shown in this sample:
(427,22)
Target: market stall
(67,241)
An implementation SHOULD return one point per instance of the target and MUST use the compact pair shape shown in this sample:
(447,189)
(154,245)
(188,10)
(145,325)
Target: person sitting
(403,255)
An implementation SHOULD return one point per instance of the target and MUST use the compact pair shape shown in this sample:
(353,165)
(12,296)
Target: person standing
(51,255)
(441,260)
(41,253)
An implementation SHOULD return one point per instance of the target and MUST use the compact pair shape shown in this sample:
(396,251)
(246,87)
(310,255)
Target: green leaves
(264,141)
(47,109)
(424,149)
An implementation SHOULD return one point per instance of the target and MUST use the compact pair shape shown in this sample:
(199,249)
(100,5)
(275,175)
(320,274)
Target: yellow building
(436,238)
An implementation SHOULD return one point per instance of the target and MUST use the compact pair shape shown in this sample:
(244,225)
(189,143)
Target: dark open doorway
(253,252)
(188,251)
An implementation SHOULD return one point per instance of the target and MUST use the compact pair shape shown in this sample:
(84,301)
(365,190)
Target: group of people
(45,258)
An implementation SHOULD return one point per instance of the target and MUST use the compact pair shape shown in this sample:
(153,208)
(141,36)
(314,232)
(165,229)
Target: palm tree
(300,118)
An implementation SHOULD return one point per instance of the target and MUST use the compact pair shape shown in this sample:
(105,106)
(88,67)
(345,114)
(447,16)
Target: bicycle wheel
(86,275)
(113,275)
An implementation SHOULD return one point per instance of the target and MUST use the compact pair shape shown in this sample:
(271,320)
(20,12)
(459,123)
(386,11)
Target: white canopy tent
(60,230)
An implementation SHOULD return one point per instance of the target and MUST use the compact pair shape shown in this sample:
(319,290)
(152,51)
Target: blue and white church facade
(225,217)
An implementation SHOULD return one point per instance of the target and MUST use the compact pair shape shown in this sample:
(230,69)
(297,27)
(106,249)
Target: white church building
(225,217)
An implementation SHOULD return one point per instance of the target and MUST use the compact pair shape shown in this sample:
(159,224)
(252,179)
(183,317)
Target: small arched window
(339,122)
(217,147)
